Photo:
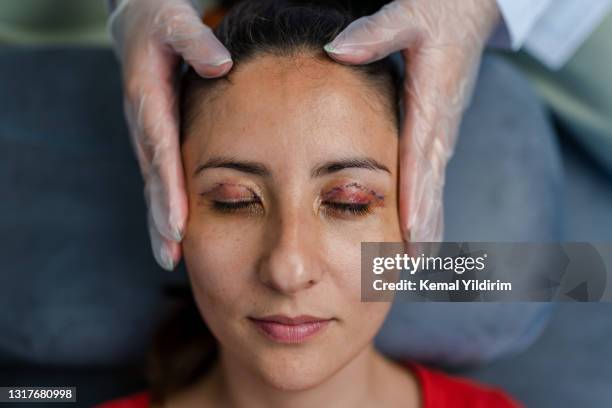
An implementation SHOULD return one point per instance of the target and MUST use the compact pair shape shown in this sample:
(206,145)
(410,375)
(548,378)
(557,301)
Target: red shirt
(438,390)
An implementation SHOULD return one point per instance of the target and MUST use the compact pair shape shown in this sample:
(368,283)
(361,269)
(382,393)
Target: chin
(294,370)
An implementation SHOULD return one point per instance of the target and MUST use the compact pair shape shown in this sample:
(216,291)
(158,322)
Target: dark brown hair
(288,28)
(183,348)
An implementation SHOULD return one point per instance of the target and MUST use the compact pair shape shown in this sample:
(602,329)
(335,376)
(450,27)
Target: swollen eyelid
(229,192)
(354,193)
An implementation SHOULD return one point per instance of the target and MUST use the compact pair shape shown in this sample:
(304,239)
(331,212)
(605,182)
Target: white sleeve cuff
(518,19)
(565,26)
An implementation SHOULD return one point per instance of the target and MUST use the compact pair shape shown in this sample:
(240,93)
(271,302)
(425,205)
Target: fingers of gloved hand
(149,36)
(438,231)
(421,198)
(371,38)
(167,204)
(167,253)
(423,208)
(435,98)
(153,121)
(432,210)
(179,26)
(441,41)
(406,24)
(410,190)
(437,87)
(170,26)
(422,175)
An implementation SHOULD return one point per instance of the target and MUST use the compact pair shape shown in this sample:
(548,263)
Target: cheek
(343,268)
(392,230)
(217,260)
(343,253)
(359,321)
(342,245)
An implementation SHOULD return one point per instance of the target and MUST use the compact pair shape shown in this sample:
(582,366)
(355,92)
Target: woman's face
(289,168)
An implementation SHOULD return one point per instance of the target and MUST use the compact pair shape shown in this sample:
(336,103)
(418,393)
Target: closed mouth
(290,330)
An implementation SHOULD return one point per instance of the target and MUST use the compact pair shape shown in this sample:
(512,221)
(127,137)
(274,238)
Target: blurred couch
(80,292)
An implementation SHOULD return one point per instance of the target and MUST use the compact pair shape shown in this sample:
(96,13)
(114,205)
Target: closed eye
(357,209)
(250,207)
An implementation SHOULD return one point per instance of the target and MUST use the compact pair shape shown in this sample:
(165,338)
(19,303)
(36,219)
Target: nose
(291,262)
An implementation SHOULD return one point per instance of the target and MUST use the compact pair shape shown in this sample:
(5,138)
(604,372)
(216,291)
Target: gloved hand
(441,42)
(150,37)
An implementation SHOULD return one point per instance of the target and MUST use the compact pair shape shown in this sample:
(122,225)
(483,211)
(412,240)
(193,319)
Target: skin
(293,248)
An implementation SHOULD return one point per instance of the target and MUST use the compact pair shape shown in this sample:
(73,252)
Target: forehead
(301,103)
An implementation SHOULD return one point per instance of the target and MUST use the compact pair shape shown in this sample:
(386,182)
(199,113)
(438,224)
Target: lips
(290,330)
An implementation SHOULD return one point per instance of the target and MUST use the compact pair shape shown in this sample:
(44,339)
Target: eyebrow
(259,169)
(222,162)
(349,163)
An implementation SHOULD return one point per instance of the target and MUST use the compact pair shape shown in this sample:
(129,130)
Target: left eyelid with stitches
(356,193)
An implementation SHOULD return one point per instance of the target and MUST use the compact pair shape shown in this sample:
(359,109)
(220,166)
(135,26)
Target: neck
(354,385)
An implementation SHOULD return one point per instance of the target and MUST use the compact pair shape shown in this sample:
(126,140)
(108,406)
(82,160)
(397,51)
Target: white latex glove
(441,42)
(151,37)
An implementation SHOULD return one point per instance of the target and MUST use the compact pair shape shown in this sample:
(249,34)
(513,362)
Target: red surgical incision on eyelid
(354,193)
(229,192)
